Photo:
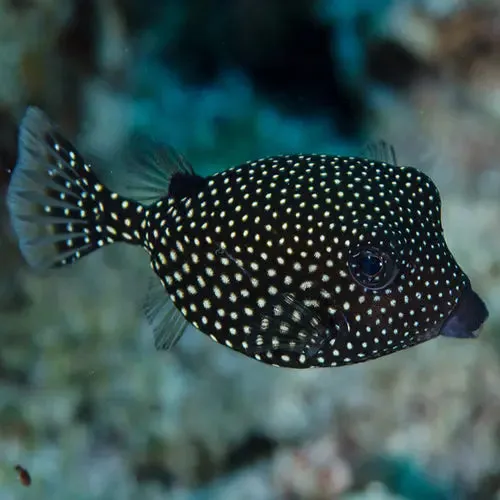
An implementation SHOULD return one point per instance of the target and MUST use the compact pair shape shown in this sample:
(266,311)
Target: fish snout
(467,317)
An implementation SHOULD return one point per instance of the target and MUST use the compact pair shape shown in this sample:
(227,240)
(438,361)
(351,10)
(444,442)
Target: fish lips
(467,316)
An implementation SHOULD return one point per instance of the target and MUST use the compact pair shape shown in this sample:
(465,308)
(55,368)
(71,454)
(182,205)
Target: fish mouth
(467,317)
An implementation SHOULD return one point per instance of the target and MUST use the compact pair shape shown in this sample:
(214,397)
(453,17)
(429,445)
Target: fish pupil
(370,264)
(372,268)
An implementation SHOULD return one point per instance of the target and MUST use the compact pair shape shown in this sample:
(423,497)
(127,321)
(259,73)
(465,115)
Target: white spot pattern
(288,225)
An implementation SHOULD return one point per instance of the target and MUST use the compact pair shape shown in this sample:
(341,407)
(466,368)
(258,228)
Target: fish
(296,260)
(23,475)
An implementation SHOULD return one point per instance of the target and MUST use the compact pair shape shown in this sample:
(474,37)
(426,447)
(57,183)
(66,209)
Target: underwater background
(89,407)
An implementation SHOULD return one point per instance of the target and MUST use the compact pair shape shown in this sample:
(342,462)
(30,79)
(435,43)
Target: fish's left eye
(372,268)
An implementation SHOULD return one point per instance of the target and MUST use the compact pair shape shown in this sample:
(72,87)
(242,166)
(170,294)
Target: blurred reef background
(89,407)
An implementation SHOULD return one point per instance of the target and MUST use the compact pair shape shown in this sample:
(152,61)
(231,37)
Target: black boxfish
(302,260)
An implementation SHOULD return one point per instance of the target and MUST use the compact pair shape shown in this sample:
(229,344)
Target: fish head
(401,285)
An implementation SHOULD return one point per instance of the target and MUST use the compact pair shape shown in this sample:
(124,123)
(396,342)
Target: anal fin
(165,320)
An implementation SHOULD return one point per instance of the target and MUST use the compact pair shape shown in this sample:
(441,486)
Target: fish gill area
(88,406)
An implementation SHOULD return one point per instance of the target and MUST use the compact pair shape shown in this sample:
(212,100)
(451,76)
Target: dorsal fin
(149,171)
(380,151)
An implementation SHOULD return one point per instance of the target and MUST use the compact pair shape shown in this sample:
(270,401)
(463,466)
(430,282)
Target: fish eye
(372,268)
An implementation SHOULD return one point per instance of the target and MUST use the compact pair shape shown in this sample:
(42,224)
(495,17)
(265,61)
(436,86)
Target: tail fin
(59,210)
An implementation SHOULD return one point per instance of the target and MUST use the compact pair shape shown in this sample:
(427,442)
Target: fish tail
(58,208)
